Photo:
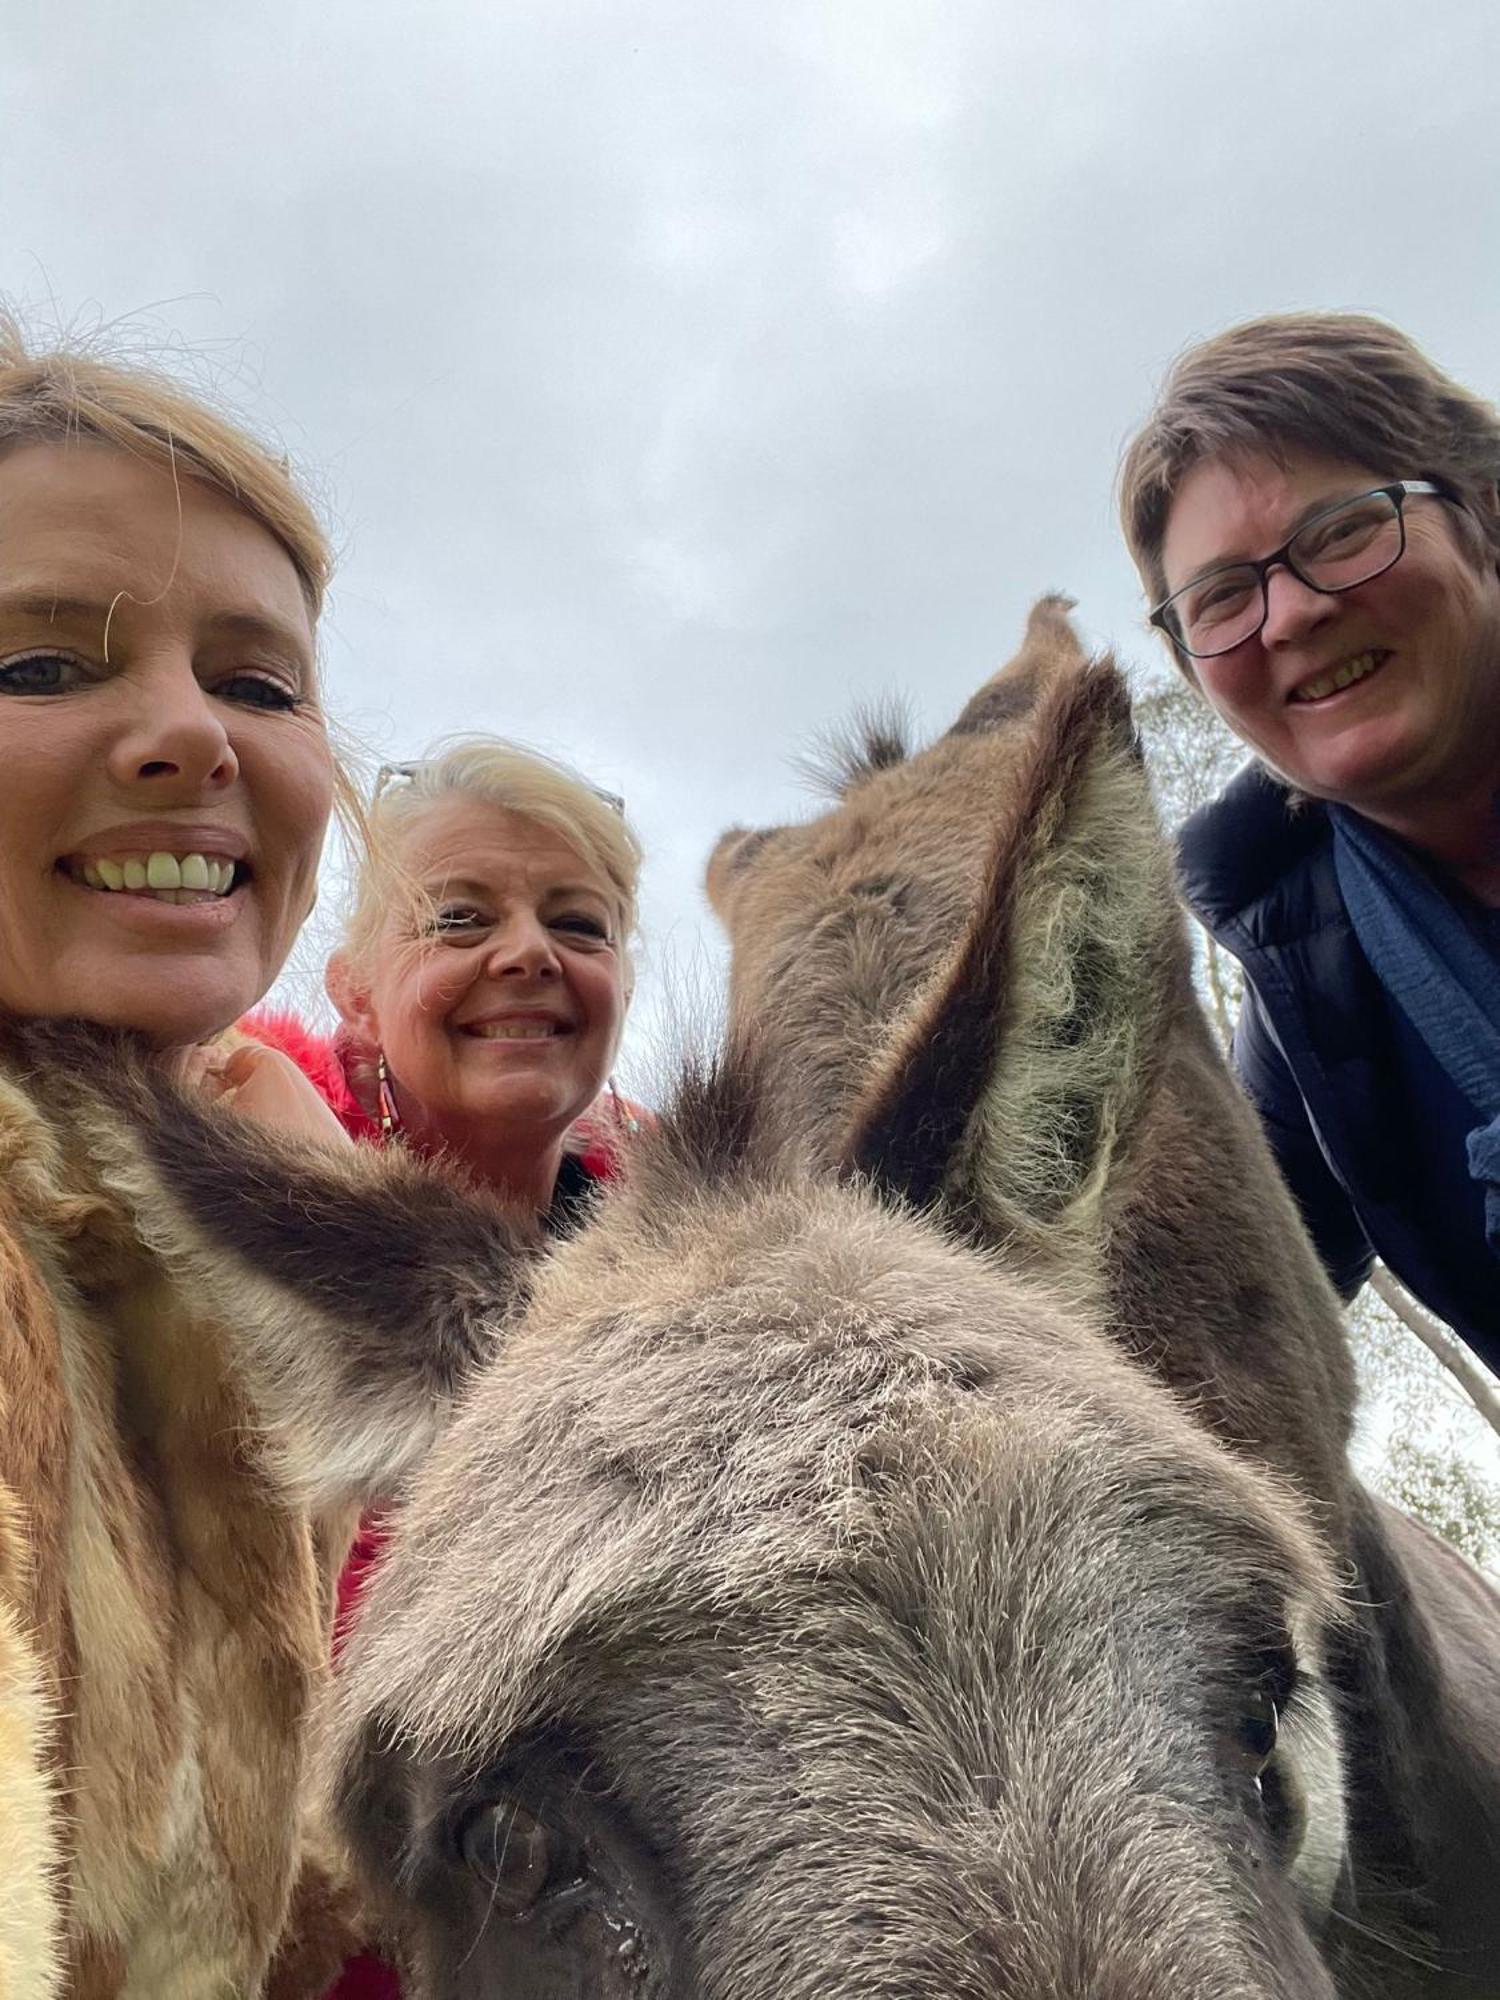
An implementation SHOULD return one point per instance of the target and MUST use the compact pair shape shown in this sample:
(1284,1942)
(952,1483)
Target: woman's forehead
(85,519)
(1226,509)
(472,838)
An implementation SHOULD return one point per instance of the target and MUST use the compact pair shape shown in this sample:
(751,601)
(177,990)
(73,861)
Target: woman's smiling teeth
(1342,676)
(514,1031)
(168,878)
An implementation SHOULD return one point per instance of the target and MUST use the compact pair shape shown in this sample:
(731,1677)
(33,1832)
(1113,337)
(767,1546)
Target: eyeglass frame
(1398,491)
(409,772)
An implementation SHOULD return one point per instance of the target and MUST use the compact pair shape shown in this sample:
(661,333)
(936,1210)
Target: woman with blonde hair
(482,984)
(165,784)
(484,973)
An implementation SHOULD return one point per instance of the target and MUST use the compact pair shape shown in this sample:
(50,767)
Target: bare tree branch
(1448,1350)
(1223,1021)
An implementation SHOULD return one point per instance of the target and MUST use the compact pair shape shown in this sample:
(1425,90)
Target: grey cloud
(680,374)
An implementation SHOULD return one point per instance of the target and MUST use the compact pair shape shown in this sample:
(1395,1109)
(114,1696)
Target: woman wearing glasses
(1313,509)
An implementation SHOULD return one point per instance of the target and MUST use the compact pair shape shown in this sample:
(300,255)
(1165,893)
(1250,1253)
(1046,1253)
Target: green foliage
(1190,755)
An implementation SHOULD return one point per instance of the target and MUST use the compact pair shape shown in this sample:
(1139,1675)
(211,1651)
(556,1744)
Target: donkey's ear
(356,1290)
(1011,1093)
(1051,651)
(732,854)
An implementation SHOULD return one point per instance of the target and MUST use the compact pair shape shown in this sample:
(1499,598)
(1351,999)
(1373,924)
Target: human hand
(264,1086)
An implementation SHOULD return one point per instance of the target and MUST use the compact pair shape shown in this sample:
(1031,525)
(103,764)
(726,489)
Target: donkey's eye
(512,1854)
(1255,1738)
(1255,1757)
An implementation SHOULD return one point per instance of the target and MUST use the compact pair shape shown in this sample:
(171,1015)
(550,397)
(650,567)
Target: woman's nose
(524,948)
(1293,608)
(175,736)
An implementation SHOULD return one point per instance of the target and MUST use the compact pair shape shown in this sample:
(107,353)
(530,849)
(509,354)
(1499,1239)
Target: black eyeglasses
(1342,546)
(390,774)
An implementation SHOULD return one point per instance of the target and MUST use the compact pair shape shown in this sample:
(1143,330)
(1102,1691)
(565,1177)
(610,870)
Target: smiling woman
(167,774)
(165,783)
(485,973)
(482,982)
(1315,509)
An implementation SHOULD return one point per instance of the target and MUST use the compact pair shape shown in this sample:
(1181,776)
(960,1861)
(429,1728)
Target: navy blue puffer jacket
(1369,1130)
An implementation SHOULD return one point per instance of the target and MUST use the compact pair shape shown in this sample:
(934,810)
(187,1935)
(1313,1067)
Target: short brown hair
(1342,384)
(55,393)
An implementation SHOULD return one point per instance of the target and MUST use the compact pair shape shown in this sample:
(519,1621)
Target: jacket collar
(1249,849)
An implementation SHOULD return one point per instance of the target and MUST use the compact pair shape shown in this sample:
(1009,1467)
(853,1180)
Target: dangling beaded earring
(625,1121)
(385,1097)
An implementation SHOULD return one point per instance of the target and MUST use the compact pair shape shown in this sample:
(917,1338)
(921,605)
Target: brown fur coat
(164,1616)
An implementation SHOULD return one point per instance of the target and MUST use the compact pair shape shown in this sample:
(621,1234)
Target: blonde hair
(510,778)
(60,394)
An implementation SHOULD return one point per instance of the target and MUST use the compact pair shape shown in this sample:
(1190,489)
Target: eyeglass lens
(1339,549)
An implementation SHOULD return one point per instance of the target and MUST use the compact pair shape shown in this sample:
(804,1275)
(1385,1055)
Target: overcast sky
(676,375)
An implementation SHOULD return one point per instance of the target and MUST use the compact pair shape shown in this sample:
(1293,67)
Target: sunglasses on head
(392,774)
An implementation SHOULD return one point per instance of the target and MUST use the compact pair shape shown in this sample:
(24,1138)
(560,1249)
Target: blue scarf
(1438,971)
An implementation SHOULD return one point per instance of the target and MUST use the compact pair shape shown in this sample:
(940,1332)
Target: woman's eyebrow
(1297,523)
(52,607)
(577,889)
(48,607)
(456,885)
(486,892)
(255,625)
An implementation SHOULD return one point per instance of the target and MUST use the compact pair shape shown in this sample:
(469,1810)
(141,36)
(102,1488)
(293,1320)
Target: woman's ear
(350,993)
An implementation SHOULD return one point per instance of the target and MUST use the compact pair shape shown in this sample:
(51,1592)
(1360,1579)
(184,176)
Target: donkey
(787,1601)
(1016,867)
(844,1569)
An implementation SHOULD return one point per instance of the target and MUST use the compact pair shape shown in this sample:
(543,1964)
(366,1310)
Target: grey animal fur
(1036,826)
(862,1601)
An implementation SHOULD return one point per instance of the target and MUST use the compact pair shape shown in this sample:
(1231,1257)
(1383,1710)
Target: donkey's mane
(877,738)
(714,1129)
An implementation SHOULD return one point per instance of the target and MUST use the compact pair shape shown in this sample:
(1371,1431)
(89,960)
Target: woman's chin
(518,1104)
(1355,764)
(169,1012)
